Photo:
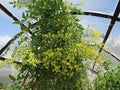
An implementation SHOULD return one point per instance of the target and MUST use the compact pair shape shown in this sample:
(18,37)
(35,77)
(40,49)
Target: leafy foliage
(56,56)
(110,80)
(1,85)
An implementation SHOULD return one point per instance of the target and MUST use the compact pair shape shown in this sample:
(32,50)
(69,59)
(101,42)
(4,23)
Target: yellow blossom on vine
(82,3)
(62,31)
(90,52)
(49,33)
(51,54)
(59,49)
(1,62)
(70,34)
(96,34)
(45,35)
(53,35)
(79,44)
(66,34)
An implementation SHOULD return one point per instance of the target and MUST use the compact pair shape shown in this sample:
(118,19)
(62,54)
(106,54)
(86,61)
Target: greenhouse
(59,45)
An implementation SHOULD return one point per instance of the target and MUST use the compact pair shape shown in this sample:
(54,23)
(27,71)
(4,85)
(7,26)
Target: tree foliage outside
(57,54)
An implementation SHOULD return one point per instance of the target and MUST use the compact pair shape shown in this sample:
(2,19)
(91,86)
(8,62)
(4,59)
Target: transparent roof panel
(5,72)
(106,6)
(8,29)
(114,61)
(96,22)
(113,42)
(6,25)
(15,11)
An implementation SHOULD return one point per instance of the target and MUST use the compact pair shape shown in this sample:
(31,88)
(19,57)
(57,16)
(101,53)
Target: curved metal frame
(113,18)
(98,14)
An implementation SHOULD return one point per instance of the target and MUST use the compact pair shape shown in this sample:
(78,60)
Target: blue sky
(8,29)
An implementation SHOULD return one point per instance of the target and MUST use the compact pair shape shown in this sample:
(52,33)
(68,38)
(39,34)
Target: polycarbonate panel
(7,27)
(106,6)
(4,73)
(113,42)
(96,22)
(6,23)
(114,61)
(15,11)
(7,31)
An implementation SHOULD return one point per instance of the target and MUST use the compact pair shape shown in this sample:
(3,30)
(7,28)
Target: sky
(8,29)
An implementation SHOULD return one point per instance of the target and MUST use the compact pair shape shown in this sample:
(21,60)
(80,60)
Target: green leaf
(1,85)
(11,2)
(12,77)
(23,15)
(102,35)
(16,22)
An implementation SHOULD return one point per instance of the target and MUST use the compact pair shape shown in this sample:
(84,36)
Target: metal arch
(17,35)
(98,14)
(4,9)
(113,19)
(112,55)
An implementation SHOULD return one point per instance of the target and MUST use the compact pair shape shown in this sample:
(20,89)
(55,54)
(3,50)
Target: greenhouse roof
(101,15)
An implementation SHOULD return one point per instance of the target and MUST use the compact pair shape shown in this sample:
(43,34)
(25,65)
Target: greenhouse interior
(59,45)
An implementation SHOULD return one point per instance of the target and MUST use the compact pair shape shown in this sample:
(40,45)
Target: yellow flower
(79,45)
(70,34)
(96,34)
(59,49)
(90,52)
(62,31)
(33,61)
(45,35)
(68,4)
(74,50)
(51,54)
(77,67)
(49,33)
(82,3)
(66,34)
(1,62)
(53,35)
(67,63)
(71,74)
